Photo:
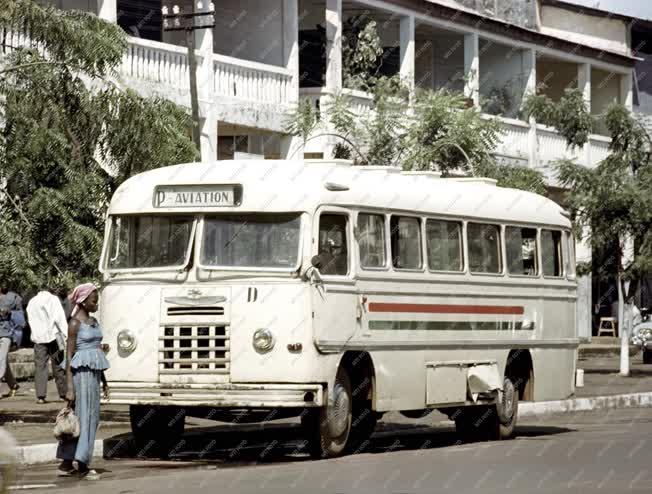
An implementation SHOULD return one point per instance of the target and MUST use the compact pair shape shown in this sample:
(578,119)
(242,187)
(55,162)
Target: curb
(631,400)
(46,453)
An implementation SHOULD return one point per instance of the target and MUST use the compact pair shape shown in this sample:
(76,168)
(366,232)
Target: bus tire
(490,423)
(329,428)
(506,409)
(156,430)
(362,426)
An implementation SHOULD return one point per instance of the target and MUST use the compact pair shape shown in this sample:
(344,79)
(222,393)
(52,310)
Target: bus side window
(551,257)
(444,245)
(333,244)
(371,240)
(406,242)
(521,246)
(484,248)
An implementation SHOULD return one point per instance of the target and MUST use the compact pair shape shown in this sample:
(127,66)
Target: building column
(407,51)
(107,10)
(334,45)
(472,67)
(289,143)
(626,90)
(584,85)
(530,71)
(209,117)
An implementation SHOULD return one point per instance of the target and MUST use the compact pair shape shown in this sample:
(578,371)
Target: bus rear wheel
(495,422)
(156,430)
(329,428)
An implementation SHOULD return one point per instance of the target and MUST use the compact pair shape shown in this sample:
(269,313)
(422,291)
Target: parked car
(642,336)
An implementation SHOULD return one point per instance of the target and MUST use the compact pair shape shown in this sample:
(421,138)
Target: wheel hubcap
(506,401)
(339,411)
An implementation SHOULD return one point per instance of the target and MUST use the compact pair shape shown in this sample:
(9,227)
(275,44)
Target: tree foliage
(569,116)
(68,137)
(361,53)
(611,204)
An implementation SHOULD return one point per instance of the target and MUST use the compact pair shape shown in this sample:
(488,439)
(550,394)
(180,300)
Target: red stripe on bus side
(446,308)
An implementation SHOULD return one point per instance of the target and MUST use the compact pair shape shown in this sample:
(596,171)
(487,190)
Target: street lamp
(189,22)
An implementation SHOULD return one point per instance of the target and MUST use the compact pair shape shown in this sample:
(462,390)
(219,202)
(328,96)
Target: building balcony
(251,67)
(241,92)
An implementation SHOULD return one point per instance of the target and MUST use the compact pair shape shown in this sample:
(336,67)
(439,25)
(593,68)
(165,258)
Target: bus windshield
(149,241)
(251,241)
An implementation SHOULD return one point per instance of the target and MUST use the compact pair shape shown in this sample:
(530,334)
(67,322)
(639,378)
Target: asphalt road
(605,452)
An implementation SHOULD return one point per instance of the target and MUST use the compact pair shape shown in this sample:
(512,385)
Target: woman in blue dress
(85,365)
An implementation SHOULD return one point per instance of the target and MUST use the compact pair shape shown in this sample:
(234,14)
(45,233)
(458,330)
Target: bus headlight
(263,340)
(126,341)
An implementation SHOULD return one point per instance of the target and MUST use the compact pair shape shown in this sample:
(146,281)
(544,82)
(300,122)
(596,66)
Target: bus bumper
(216,395)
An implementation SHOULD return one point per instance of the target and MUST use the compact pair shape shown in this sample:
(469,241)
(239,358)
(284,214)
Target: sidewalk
(32,424)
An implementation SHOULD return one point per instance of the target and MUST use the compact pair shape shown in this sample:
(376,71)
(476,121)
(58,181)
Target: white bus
(337,293)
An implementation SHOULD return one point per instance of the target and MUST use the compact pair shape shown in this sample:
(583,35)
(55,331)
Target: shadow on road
(253,444)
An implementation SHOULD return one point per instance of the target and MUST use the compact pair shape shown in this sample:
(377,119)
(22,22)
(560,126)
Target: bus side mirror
(316,262)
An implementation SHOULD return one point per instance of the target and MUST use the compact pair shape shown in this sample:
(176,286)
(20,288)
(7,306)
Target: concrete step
(601,350)
(22,364)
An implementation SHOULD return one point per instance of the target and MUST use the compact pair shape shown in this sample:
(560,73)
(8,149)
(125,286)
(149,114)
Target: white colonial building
(263,55)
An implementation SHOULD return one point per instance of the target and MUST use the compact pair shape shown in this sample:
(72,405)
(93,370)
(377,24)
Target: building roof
(293,186)
(583,9)
(498,26)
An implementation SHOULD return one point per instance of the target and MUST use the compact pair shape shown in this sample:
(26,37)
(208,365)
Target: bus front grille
(194,350)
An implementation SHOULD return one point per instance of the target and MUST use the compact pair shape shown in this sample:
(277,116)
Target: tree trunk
(624,331)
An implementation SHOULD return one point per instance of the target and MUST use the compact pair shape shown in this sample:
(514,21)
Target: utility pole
(190,22)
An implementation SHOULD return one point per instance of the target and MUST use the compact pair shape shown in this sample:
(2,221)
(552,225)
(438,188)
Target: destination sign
(194,196)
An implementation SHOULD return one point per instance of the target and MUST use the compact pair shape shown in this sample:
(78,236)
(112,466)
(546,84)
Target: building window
(521,246)
(140,19)
(406,242)
(333,244)
(444,245)
(371,240)
(484,248)
(551,257)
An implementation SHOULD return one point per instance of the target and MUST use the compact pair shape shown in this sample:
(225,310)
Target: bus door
(334,297)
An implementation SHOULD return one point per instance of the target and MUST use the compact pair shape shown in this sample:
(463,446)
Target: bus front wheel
(156,430)
(329,428)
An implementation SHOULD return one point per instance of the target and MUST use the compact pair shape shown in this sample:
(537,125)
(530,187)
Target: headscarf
(79,294)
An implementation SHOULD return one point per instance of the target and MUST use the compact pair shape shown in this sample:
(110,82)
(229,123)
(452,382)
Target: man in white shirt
(47,318)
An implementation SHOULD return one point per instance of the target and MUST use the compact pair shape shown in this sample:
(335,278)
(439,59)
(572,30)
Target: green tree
(68,137)
(361,52)
(611,204)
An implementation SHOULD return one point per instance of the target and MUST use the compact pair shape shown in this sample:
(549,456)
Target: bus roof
(288,186)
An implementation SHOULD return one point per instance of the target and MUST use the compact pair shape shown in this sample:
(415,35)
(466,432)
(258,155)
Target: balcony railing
(515,140)
(251,81)
(167,65)
(360,101)
(159,63)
